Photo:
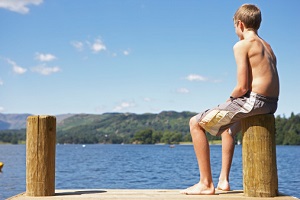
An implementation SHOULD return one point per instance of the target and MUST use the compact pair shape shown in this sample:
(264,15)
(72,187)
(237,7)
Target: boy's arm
(240,50)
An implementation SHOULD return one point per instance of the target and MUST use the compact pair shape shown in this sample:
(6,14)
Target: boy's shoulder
(247,44)
(244,43)
(242,46)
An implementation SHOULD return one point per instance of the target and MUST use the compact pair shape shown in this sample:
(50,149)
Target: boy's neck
(248,33)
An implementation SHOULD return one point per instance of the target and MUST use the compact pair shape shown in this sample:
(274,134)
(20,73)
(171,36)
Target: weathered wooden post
(40,155)
(259,156)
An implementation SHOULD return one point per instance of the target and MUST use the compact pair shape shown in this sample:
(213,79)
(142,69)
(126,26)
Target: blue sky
(139,56)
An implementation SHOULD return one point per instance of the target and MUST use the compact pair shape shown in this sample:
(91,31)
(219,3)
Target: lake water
(137,167)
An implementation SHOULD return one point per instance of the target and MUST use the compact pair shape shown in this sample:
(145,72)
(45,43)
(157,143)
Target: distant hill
(126,123)
(122,123)
(18,121)
(165,127)
(119,127)
(108,120)
(13,121)
(105,128)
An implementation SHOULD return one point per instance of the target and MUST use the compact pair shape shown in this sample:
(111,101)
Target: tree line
(167,127)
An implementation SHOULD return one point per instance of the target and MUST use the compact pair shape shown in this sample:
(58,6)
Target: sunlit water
(137,167)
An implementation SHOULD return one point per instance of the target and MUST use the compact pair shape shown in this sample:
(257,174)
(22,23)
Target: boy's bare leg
(201,147)
(227,154)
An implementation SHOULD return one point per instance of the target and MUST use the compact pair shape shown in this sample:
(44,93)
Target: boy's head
(250,15)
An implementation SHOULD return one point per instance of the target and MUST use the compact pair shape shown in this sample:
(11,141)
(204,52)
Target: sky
(137,56)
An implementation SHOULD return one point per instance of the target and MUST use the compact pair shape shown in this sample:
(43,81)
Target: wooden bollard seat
(40,155)
(259,156)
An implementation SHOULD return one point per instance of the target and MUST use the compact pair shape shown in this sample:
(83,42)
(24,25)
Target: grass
(215,142)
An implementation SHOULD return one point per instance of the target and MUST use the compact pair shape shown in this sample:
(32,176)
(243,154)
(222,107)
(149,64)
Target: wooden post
(40,155)
(259,156)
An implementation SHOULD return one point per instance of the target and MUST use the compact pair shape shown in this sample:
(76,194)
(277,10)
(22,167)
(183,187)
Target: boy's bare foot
(223,185)
(199,188)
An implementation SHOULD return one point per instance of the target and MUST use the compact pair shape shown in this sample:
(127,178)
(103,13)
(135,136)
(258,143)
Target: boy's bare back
(262,72)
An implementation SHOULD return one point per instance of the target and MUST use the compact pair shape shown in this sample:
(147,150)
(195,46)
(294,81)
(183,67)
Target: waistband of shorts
(262,97)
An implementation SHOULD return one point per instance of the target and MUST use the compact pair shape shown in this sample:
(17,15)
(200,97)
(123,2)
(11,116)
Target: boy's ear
(242,26)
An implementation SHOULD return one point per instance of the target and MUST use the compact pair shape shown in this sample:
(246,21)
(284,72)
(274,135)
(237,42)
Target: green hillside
(120,127)
(165,127)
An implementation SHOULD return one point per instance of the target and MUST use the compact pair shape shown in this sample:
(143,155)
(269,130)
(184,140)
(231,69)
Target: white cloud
(98,46)
(147,99)
(1,82)
(44,57)
(1,109)
(44,70)
(17,69)
(126,52)
(19,6)
(95,46)
(183,90)
(123,106)
(195,77)
(78,45)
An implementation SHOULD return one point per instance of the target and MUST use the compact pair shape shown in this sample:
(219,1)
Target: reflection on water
(136,166)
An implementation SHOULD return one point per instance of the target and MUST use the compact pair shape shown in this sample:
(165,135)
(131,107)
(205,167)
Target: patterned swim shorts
(228,115)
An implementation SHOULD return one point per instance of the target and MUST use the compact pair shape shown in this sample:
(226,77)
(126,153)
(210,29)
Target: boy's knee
(193,122)
(227,133)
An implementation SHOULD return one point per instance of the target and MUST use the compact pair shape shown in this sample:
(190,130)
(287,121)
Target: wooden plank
(140,194)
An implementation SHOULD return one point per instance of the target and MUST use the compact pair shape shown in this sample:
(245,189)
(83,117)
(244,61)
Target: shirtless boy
(256,92)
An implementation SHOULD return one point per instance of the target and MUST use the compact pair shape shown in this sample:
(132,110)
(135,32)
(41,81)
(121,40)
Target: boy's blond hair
(250,15)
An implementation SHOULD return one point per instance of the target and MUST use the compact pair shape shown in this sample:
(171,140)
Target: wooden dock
(140,194)
(40,157)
